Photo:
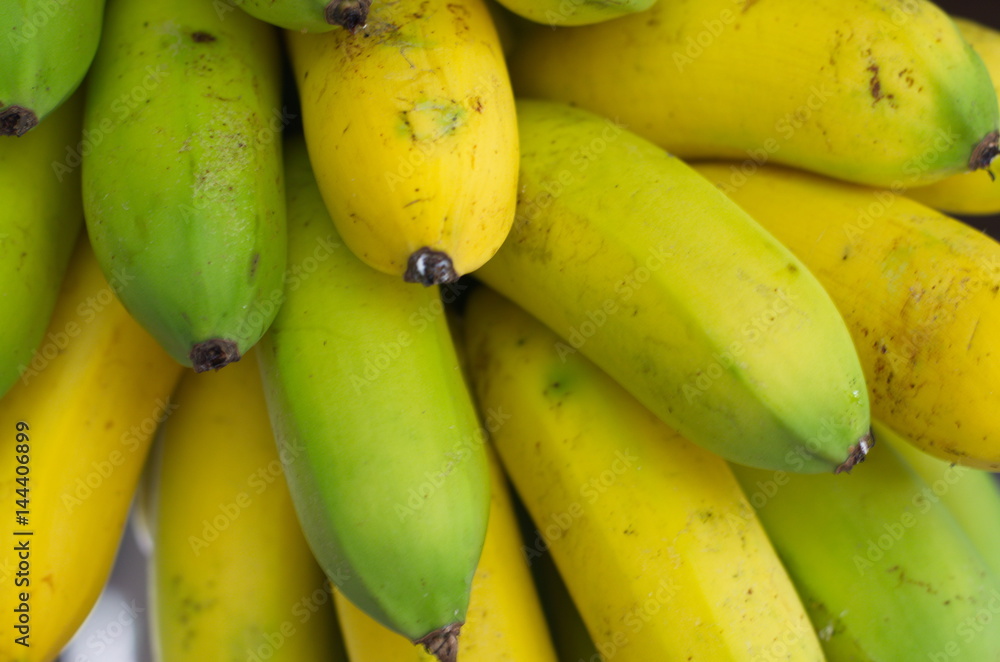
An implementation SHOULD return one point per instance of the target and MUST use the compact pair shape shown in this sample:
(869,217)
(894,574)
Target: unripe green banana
(182,180)
(40,218)
(45,50)
(304,15)
(379,436)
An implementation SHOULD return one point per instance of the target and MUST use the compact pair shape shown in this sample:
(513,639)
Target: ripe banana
(872,91)
(381,444)
(182,177)
(231,575)
(917,289)
(78,434)
(574,12)
(305,15)
(40,220)
(505,619)
(969,193)
(885,573)
(46,50)
(411,131)
(652,535)
(717,336)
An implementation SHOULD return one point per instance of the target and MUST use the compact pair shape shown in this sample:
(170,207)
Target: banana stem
(213,354)
(349,14)
(429,267)
(985,151)
(442,643)
(17,121)
(857,453)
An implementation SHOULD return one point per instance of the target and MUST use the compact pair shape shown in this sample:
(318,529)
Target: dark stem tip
(442,643)
(213,354)
(857,453)
(429,267)
(352,15)
(17,121)
(985,151)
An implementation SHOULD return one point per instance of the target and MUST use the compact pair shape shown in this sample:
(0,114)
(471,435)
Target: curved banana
(717,336)
(872,91)
(505,621)
(231,575)
(40,219)
(46,50)
(652,535)
(78,436)
(182,177)
(381,444)
(917,289)
(969,193)
(306,15)
(412,134)
(871,556)
(574,12)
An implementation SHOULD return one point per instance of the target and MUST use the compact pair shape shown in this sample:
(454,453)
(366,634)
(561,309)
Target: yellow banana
(231,575)
(969,193)
(878,92)
(574,12)
(919,293)
(411,132)
(505,622)
(657,545)
(78,436)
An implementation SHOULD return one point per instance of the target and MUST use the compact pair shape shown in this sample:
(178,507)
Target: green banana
(40,219)
(885,573)
(644,267)
(304,15)
(182,179)
(46,50)
(382,447)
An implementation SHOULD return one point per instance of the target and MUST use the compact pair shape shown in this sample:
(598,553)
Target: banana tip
(213,354)
(985,151)
(857,453)
(442,643)
(352,15)
(17,121)
(429,267)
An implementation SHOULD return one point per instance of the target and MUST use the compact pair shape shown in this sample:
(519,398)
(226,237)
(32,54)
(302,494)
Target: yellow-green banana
(642,266)
(657,545)
(873,91)
(182,177)
(40,219)
(886,573)
(46,49)
(411,131)
(969,193)
(919,293)
(307,15)
(574,12)
(77,436)
(231,575)
(382,448)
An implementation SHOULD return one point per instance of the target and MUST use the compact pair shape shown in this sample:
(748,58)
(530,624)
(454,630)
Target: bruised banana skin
(718,337)
(182,183)
(314,16)
(971,193)
(877,92)
(919,291)
(389,475)
(40,219)
(46,50)
(412,133)
(658,547)
(574,12)
(80,430)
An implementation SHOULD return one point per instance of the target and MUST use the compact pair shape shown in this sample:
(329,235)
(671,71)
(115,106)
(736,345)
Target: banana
(505,620)
(46,50)
(411,131)
(917,289)
(657,545)
(574,12)
(304,15)
(872,91)
(569,632)
(380,439)
(717,336)
(231,575)
(885,573)
(969,194)
(78,434)
(41,219)
(182,176)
